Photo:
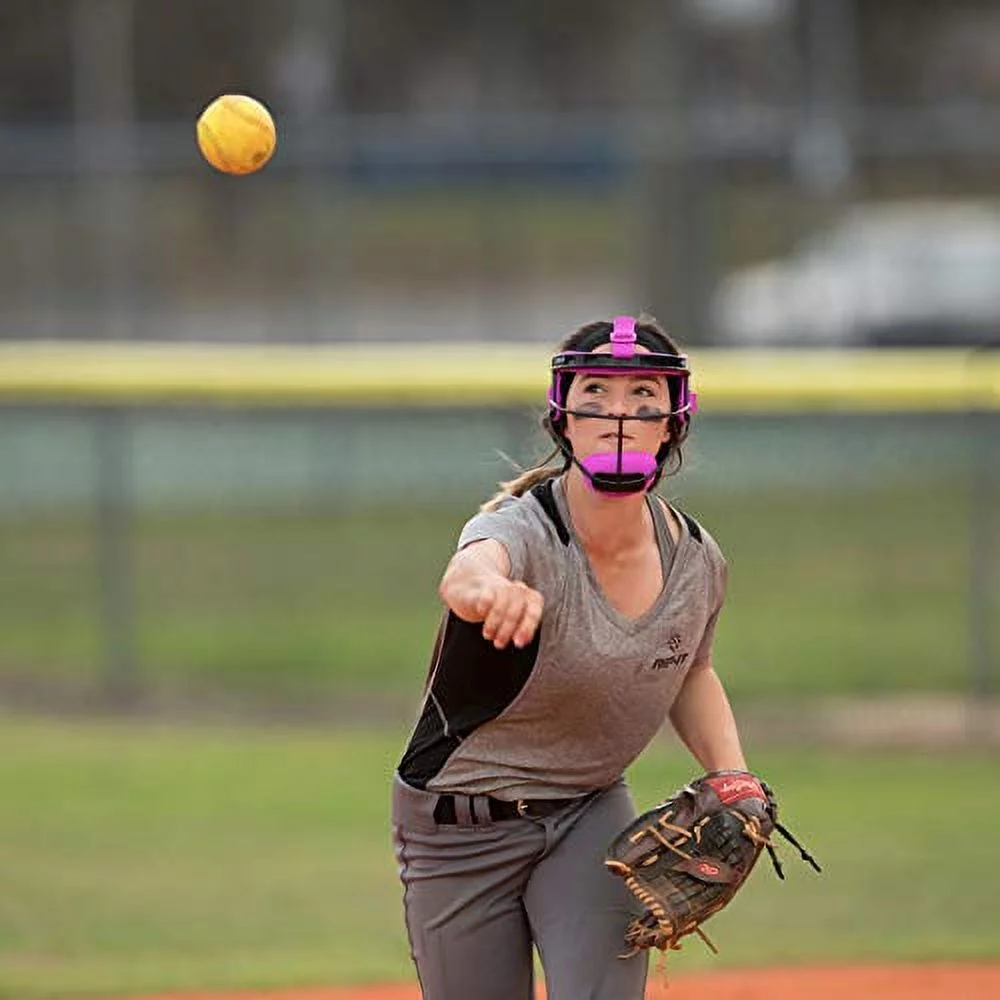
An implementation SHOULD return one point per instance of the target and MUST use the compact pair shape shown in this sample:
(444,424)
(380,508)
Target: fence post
(982,421)
(116,585)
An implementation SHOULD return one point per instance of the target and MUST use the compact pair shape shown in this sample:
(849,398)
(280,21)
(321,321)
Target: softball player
(580,615)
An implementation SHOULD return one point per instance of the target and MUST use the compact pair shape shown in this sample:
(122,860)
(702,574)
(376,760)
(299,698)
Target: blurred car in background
(916,273)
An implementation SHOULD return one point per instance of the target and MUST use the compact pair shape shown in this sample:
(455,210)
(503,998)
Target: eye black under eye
(644,412)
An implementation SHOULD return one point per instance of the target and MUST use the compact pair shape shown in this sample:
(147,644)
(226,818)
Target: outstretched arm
(477,587)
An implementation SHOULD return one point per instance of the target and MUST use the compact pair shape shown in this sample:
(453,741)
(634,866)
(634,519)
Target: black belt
(499,809)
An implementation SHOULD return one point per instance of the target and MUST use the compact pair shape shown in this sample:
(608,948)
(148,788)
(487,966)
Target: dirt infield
(875,982)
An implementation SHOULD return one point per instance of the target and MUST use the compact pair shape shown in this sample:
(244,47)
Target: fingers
(512,614)
(531,618)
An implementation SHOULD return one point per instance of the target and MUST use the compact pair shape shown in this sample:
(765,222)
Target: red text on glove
(734,788)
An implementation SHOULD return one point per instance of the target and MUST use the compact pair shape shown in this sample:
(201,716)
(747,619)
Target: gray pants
(477,896)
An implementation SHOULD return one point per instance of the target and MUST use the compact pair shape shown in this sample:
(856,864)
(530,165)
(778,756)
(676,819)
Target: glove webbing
(803,853)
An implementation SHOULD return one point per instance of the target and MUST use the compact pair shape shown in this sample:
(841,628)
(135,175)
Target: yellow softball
(236,134)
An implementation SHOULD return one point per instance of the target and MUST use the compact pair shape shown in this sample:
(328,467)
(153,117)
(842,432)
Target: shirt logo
(676,659)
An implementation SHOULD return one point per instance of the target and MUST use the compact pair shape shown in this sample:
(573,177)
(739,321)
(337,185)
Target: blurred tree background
(480,170)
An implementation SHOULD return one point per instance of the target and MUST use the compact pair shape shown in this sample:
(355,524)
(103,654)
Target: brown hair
(586,338)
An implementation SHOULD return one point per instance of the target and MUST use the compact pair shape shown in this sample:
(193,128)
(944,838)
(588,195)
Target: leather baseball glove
(686,858)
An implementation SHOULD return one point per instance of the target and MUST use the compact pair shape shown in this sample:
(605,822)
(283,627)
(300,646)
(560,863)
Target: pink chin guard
(621,474)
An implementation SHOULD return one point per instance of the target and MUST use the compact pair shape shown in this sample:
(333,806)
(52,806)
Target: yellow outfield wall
(473,374)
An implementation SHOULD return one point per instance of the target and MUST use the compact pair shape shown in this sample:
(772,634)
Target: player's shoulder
(533,513)
(539,509)
(698,533)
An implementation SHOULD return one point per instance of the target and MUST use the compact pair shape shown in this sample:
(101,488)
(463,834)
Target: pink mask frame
(619,473)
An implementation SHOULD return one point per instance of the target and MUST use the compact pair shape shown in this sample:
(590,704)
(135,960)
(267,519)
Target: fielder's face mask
(620,472)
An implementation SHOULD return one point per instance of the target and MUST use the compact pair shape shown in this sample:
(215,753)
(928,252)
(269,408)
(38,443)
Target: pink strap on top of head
(623,337)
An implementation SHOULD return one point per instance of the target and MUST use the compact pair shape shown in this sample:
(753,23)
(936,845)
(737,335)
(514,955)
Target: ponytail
(523,482)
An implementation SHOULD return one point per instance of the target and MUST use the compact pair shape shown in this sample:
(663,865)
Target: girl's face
(626,394)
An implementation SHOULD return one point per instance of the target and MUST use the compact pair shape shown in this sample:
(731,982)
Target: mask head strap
(623,338)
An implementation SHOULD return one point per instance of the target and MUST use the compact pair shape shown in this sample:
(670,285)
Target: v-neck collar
(670,558)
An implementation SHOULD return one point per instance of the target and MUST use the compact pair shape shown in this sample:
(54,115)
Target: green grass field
(862,593)
(137,858)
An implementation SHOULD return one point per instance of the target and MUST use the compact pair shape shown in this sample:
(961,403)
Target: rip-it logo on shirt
(675,658)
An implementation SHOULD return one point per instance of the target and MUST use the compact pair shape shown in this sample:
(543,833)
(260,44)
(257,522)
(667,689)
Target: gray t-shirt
(599,685)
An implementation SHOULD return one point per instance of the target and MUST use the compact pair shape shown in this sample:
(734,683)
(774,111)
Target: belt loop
(463,813)
(480,806)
